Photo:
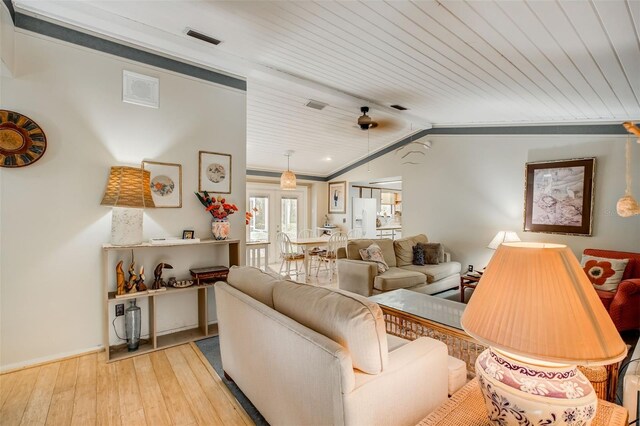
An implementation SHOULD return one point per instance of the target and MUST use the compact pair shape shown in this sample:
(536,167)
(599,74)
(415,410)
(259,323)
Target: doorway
(275,210)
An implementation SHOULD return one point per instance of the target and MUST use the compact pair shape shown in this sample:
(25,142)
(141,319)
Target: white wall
(52,224)
(470,187)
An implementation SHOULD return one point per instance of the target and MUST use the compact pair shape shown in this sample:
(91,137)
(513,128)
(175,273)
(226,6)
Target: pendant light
(627,206)
(288,178)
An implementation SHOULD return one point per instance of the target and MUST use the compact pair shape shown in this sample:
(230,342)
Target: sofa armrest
(357,276)
(625,305)
(417,369)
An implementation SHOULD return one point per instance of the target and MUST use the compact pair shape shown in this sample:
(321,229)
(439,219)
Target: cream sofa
(361,277)
(307,355)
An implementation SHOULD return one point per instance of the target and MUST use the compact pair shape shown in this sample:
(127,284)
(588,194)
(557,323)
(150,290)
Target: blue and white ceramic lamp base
(517,392)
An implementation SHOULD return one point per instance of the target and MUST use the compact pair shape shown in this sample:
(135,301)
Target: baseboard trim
(38,362)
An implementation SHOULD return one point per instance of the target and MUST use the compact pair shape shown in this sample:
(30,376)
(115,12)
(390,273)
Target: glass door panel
(259,223)
(289,216)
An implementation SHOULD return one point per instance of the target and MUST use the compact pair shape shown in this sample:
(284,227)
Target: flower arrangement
(217,206)
(247,217)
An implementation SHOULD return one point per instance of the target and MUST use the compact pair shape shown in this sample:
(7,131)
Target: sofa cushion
(404,249)
(604,273)
(346,318)
(385,244)
(254,283)
(433,253)
(373,253)
(436,272)
(396,278)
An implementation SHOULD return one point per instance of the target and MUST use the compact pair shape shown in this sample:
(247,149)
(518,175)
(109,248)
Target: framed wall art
(215,172)
(559,196)
(337,197)
(166,183)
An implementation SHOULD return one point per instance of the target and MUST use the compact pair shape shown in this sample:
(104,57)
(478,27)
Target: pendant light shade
(288,178)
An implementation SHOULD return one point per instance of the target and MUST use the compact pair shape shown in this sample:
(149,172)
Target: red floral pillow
(605,274)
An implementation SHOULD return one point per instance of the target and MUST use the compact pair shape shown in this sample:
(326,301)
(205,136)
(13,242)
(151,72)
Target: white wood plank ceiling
(450,62)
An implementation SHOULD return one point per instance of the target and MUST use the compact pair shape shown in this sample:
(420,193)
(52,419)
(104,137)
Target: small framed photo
(559,196)
(337,197)
(166,183)
(188,234)
(215,172)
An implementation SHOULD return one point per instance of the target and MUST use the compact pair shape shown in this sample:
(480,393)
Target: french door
(273,211)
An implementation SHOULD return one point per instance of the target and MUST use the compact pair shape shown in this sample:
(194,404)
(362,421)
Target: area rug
(210,348)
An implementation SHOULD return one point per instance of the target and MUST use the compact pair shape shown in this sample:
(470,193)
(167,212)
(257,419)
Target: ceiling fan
(365,122)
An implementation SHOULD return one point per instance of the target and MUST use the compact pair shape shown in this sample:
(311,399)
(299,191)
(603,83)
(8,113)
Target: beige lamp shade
(128,187)
(534,300)
(503,237)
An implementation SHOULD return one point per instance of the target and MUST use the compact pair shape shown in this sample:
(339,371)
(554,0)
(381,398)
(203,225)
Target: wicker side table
(466,407)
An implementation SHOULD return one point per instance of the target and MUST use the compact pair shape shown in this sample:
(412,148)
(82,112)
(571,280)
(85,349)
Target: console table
(467,407)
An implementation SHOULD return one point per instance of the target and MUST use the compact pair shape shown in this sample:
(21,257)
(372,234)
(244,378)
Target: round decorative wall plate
(22,141)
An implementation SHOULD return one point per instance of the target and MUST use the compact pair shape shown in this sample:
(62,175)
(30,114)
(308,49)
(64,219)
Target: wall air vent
(316,104)
(140,89)
(399,107)
(203,37)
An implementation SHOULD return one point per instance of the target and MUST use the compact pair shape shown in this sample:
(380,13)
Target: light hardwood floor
(175,386)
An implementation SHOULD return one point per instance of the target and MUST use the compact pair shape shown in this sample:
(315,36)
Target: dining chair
(330,256)
(314,260)
(288,254)
(355,233)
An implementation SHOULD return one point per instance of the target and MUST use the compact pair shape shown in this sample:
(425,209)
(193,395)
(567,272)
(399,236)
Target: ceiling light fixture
(288,178)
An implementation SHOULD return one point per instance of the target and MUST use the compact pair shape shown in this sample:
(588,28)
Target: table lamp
(128,191)
(540,316)
(503,237)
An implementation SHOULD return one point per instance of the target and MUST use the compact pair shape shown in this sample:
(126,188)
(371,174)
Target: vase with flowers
(220,210)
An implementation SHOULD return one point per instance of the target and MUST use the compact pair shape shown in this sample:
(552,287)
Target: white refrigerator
(363,216)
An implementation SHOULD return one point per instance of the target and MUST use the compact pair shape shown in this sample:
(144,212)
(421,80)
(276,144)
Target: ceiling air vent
(316,104)
(203,37)
(399,107)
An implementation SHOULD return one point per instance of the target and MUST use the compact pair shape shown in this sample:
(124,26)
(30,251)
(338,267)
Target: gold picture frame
(337,197)
(214,172)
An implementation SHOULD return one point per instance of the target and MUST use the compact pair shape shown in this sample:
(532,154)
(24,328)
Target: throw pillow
(373,253)
(433,253)
(605,274)
(418,255)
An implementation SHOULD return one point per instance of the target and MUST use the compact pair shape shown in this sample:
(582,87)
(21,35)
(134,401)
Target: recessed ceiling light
(327,158)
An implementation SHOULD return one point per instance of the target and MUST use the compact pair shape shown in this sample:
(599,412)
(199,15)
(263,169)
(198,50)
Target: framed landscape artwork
(559,196)
(166,183)
(337,197)
(215,172)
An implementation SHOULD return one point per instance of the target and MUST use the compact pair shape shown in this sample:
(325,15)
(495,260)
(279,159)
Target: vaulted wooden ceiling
(449,62)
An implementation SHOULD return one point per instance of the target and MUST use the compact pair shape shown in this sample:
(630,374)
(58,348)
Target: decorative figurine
(140,281)
(120,290)
(130,286)
(158,282)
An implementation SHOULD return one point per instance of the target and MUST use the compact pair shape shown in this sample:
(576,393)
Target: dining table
(308,244)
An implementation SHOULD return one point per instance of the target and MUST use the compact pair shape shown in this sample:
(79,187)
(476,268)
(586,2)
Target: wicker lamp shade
(128,187)
(534,300)
(288,181)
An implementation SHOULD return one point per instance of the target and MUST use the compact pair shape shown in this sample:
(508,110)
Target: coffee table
(409,314)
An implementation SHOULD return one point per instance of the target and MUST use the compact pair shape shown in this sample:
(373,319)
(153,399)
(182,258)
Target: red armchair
(623,305)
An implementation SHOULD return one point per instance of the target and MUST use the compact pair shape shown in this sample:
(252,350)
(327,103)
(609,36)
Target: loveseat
(307,355)
(362,277)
